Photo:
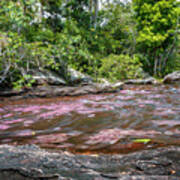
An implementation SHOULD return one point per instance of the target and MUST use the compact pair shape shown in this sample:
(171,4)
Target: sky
(103,1)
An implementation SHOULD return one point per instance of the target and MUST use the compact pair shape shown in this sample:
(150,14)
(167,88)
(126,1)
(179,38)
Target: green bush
(157,24)
(18,58)
(121,67)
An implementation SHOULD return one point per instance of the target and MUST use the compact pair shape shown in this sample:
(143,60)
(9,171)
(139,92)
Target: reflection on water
(108,123)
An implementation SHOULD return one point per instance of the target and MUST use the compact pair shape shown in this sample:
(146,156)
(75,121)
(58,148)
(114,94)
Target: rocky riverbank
(31,162)
(52,91)
(47,86)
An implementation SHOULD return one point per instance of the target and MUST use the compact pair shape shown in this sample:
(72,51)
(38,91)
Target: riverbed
(136,118)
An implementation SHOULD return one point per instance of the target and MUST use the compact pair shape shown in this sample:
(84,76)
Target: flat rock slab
(30,162)
(150,80)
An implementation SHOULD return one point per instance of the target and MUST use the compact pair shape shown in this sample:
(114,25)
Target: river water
(142,117)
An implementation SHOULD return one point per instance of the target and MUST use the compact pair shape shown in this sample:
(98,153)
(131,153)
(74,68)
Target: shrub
(18,58)
(121,67)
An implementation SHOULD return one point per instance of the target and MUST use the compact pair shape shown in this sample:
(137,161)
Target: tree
(157,24)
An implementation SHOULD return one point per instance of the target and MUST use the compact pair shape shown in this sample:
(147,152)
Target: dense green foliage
(157,26)
(121,67)
(115,42)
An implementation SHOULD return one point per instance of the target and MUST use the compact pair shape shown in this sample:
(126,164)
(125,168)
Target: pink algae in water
(27,109)
(1,110)
(141,105)
(59,110)
(156,96)
(13,121)
(111,136)
(67,108)
(4,127)
(26,132)
(7,115)
(125,97)
(167,122)
(164,113)
(86,111)
(146,102)
(97,98)
(28,122)
(52,138)
(124,91)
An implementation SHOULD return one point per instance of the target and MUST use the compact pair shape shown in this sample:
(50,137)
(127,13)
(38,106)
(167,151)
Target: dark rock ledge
(50,86)
(52,91)
(30,162)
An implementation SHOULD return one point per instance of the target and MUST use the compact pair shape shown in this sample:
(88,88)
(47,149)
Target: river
(142,117)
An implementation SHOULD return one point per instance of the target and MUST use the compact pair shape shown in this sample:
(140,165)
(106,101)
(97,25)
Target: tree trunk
(94,8)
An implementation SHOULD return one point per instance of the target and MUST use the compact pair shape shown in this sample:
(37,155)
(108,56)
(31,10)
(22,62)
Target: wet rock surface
(47,77)
(52,91)
(172,78)
(76,77)
(30,162)
(150,80)
(44,77)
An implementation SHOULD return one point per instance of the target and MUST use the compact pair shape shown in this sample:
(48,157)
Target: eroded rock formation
(31,162)
(172,78)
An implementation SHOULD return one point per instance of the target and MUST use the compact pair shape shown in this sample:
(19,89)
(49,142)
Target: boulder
(76,77)
(47,77)
(172,78)
(150,80)
(107,88)
(118,85)
(103,80)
